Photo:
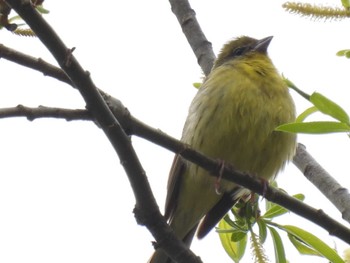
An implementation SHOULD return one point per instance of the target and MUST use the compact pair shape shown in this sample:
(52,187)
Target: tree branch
(314,172)
(34,63)
(129,159)
(145,201)
(133,126)
(45,112)
(201,47)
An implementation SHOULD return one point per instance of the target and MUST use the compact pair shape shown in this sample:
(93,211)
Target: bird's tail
(215,214)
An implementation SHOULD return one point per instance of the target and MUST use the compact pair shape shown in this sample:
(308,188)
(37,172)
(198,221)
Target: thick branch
(97,106)
(200,45)
(248,181)
(145,202)
(338,195)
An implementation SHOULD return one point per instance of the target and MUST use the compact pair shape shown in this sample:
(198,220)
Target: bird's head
(241,47)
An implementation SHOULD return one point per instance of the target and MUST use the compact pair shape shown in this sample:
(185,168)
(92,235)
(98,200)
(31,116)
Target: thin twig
(35,63)
(45,112)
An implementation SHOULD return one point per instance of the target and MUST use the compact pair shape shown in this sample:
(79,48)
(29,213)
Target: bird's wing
(176,174)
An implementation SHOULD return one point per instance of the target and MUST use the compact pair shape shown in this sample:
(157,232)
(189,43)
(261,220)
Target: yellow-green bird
(232,118)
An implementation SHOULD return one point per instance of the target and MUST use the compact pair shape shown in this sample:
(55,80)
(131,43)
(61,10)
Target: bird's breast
(233,117)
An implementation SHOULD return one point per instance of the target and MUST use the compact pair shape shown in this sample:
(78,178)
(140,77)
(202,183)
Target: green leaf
(303,248)
(329,107)
(306,114)
(234,249)
(42,10)
(343,52)
(262,230)
(236,225)
(313,242)
(280,255)
(238,235)
(229,221)
(300,197)
(277,210)
(197,85)
(315,127)
(14,18)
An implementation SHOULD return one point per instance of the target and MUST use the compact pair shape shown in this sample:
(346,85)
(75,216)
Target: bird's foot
(217,185)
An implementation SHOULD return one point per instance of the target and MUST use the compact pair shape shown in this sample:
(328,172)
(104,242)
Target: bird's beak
(262,44)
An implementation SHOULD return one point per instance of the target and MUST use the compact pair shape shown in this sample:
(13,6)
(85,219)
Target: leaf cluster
(236,229)
(321,104)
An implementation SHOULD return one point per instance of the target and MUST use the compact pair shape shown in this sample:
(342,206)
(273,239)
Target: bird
(232,118)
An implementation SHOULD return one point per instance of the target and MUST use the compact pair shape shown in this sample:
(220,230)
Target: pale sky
(64,196)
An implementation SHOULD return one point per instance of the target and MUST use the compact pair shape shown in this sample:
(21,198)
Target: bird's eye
(239,51)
